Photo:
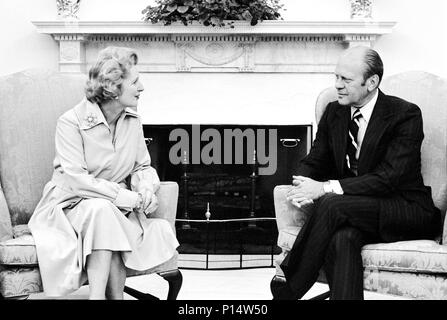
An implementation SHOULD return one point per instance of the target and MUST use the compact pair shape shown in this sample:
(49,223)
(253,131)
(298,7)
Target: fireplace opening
(235,190)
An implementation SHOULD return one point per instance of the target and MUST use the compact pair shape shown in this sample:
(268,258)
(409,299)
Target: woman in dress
(93,220)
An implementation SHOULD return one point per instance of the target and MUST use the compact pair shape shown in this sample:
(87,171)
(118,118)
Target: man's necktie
(351,158)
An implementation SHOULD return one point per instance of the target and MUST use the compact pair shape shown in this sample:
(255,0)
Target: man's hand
(302,203)
(304,191)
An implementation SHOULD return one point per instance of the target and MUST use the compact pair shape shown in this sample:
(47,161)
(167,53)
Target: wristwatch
(139,203)
(327,187)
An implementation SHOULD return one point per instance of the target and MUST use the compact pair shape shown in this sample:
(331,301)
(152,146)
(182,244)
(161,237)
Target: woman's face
(131,89)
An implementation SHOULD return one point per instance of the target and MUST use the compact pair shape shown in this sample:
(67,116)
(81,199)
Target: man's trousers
(332,238)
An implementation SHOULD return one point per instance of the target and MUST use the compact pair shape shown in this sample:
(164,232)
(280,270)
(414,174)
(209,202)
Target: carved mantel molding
(271,46)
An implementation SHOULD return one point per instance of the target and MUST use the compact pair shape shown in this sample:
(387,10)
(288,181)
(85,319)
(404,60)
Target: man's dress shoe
(282,291)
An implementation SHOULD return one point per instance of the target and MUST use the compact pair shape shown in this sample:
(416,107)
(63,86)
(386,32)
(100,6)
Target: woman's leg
(104,230)
(117,278)
(98,270)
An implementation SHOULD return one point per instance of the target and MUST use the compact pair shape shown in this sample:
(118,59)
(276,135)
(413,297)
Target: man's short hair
(374,65)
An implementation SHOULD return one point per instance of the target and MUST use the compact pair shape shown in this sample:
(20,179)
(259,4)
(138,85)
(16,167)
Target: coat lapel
(377,125)
(340,136)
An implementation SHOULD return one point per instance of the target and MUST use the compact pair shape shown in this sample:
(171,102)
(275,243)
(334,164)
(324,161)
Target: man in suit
(361,182)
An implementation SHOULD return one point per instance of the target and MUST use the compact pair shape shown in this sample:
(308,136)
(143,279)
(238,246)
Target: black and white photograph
(217,158)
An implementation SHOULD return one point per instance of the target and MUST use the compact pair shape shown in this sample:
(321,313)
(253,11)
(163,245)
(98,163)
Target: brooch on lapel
(91,120)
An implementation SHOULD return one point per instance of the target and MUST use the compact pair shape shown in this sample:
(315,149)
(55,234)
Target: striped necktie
(351,158)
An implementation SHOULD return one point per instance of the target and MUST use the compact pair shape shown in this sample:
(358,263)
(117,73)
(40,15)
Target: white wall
(21,46)
(419,41)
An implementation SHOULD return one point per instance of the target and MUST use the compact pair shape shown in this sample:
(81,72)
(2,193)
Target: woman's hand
(147,198)
(150,201)
(152,206)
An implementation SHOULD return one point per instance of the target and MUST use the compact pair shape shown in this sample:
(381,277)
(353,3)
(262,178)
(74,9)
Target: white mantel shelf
(240,27)
(269,47)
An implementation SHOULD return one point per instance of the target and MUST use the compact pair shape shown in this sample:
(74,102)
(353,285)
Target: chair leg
(175,280)
(139,295)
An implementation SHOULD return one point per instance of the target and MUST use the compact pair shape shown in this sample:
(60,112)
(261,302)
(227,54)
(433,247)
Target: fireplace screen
(226,175)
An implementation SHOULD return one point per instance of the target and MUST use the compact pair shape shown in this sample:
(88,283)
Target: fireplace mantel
(270,46)
(270,73)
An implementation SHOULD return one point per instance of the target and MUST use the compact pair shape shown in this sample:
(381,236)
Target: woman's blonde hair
(107,75)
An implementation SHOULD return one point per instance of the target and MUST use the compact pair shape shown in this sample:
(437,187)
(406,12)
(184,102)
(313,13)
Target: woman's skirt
(144,243)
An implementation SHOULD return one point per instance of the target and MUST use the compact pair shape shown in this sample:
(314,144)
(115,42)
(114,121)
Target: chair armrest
(441,203)
(5,219)
(167,196)
(286,214)
(444,231)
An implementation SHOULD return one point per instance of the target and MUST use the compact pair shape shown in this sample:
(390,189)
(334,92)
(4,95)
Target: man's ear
(372,82)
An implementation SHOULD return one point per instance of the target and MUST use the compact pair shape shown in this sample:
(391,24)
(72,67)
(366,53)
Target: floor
(243,284)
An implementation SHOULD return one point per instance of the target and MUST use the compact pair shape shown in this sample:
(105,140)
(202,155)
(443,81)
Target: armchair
(414,269)
(31,102)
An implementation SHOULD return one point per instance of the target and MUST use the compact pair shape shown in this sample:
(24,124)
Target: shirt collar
(90,114)
(368,108)
(131,112)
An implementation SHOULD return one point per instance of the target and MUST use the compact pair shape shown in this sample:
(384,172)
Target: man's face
(349,82)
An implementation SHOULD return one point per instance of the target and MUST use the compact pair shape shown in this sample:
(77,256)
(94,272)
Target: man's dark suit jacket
(389,166)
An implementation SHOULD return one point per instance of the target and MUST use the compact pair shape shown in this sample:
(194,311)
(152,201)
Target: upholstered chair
(31,101)
(414,269)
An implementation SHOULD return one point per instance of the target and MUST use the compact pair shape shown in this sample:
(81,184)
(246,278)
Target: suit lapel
(378,123)
(340,136)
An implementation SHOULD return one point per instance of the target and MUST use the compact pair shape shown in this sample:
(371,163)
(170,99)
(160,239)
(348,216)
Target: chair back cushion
(325,97)
(429,92)
(31,101)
